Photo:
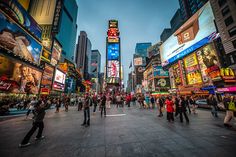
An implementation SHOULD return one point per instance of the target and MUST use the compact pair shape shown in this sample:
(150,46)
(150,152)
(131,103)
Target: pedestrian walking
(31,106)
(118,101)
(58,104)
(128,99)
(193,104)
(66,103)
(152,102)
(182,109)
(161,105)
(103,105)
(169,109)
(86,106)
(39,114)
(95,102)
(177,99)
(230,106)
(188,104)
(211,101)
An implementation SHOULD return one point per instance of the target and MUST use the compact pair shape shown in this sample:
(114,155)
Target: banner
(16,77)
(19,42)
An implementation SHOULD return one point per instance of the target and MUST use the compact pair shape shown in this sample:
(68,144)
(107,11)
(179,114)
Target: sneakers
(24,145)
(39,138)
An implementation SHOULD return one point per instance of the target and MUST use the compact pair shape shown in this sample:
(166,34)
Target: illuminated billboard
(56,53)
(113,68)
(59,80)
(193,34)
(113,51)
(14,9)
(138,61)
(113,39)
(18,41)
(113,24)
(159,72)
(16,77)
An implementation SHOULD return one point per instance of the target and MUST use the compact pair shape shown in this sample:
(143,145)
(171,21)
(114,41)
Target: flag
(130,66)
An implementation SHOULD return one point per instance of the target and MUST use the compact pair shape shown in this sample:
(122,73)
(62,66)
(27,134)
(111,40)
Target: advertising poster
(138,61)
(16,77)
(13,9)
(227,75)
(59,80)
(209,63)
(56,53)
(159,72)
(177,74)
(162,84)
(113,39)
(14,38)
(113,32)
(46,55)
(47,76)
(113,24)
(196,32)
(192,70)
(113,69)
(113,51)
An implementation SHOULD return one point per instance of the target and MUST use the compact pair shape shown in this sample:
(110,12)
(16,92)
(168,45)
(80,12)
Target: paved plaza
(124,132)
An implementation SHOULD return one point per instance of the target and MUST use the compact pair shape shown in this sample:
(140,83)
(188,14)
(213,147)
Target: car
(202,103)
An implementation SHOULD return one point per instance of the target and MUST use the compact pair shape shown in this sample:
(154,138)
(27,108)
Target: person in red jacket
(128,99)
(170,109)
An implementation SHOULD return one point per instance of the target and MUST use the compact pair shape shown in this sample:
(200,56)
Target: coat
(169,106)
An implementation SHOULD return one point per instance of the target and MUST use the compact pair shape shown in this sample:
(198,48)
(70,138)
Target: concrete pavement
(125,132)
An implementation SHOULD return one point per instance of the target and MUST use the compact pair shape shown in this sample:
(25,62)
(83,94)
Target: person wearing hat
(39,114)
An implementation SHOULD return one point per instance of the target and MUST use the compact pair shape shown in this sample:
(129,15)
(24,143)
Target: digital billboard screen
(138,61)
(113,68)
(56,53)
(159,72)
(113,51)
(16,77)
(14,38)
(60,77)
(199,30)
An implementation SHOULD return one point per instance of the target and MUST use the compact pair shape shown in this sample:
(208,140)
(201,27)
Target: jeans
(214,111)
(95,107)
(103,108)
(36,125)
(170,116)
(185,116)
(86,116)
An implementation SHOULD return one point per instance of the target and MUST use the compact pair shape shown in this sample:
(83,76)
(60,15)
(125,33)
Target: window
(232,31)
(229,21)
(221,2)
(225,11)
(234,43)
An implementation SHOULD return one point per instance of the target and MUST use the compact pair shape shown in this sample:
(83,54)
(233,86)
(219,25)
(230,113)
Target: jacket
(169,106)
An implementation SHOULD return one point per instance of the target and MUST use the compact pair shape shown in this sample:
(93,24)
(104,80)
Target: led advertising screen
(46,55)
(113,69)
(159,72)
(113,32)
(193,34)
(56,53)
(113,51)
(138,61)
(113,39)
(14,9)
(60,77)
(47,76)
(192,70)
(16,77)
(113,24)
(14,38)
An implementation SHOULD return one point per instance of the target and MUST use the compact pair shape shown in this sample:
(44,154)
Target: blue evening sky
(139,21)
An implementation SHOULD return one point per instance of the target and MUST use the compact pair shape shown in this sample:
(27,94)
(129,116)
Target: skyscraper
(141,49)
(83,53)
(189,7)
(95,66)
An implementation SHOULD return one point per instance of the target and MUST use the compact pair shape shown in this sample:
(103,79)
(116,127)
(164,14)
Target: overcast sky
(139,21)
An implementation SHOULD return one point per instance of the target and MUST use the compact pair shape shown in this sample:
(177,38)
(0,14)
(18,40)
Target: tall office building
(83,53)
(166,33)
(189,7)
(59,18)
(141,49)
(176,21)
(95,66)
(225,18)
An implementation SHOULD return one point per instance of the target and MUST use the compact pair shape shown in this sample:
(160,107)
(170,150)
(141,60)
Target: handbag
(232,106)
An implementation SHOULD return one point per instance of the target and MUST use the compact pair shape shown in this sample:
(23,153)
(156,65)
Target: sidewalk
(125,132)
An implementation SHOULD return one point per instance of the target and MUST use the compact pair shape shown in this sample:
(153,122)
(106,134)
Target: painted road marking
(116,115)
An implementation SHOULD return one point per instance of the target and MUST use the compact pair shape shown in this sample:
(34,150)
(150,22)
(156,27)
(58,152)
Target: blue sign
(13,9)
(113,51)
(158,71)
(19,42)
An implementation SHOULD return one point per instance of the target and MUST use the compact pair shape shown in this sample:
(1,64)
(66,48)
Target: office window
(234,43)
(232,31)
(221,2)
(225,11)
(235,2)
(229,21)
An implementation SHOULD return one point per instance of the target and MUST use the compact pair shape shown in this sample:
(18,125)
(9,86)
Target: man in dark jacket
(103,105)
(182,109)
(87,102)
(211,101)
(39,114)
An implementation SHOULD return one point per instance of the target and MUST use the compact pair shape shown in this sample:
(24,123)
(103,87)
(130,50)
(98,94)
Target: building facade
(176,21)
(166,33)
(189,7)
(95,66)
(225,17)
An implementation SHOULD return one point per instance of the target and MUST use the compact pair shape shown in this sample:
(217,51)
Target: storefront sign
(19,42)
(227,75)
(227,89)
(16,77)
(13,9)
(57,16)
(196,32)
